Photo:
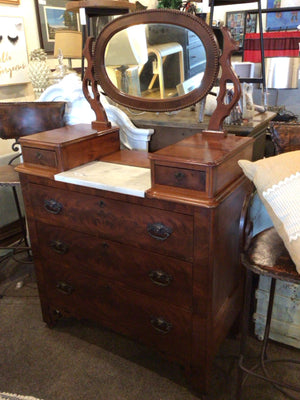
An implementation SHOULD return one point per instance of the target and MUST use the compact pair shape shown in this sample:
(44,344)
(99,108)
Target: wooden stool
(161,51)
(265,255)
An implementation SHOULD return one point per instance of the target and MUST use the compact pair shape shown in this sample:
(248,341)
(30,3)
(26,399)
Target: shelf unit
(258,11)
(261,80)
(264,11)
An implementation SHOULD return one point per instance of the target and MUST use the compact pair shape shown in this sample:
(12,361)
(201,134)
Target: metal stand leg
(264,358)
(244,333)
(263,355)
(22,224)
(23,227)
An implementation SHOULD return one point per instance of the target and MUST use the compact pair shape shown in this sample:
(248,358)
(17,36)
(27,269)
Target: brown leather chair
(265,254)
(20,119)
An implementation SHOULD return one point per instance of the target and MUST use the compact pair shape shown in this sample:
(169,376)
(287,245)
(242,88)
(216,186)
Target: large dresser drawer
(149,228)
(148,320)
(157,275)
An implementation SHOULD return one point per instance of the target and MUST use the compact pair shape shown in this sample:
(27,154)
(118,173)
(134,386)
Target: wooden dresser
(162,269)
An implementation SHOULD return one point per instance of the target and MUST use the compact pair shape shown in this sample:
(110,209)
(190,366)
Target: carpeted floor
(82,361)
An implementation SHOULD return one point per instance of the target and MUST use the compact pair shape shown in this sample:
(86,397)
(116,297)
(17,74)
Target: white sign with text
(13,52)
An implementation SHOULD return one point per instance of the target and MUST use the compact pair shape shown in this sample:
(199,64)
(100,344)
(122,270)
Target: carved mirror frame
(96,73)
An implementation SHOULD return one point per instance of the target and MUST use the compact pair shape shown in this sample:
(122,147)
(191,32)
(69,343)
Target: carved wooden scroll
(89,81)
(228,76)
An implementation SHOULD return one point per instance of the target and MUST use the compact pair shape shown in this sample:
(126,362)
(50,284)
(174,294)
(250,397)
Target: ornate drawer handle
(179,175)
(160,278)
(53,206)
(159,231)
(161,325)
(59,247)
(64,288)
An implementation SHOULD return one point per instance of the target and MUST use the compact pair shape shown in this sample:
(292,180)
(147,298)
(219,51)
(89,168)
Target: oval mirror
(158,60)
(154,61)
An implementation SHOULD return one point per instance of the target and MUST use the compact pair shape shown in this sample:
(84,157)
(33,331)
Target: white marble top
(108,176)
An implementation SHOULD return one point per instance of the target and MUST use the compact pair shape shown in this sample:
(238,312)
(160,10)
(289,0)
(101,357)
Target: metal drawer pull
(53,206)
(59,247)
(64,288)
(179,175)
(161,325)
(160,278)
(159,231)
(38,155)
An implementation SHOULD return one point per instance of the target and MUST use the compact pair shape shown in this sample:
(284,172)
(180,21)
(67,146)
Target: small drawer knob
(38,155)
(101,204)
(179,175)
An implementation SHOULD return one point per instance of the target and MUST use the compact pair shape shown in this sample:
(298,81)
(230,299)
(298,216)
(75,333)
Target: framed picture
(14,58)
(238,21)
(10,2)
(287,20)
(52,15)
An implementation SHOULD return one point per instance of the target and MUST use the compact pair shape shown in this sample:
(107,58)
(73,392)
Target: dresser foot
(198,378)
(51,316)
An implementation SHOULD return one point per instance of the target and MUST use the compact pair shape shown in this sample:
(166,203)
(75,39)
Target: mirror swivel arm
(89,80)
(228,76)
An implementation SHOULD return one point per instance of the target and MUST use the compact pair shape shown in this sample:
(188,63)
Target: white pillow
(277,180)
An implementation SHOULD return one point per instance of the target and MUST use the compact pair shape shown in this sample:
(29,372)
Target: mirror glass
(158,60)
(155,60)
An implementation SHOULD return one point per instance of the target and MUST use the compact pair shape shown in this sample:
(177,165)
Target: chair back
(25,118)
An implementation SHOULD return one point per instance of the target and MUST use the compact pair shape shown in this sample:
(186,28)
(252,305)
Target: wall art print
(238,21)
(13,51)
(283,20)
(52,15)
